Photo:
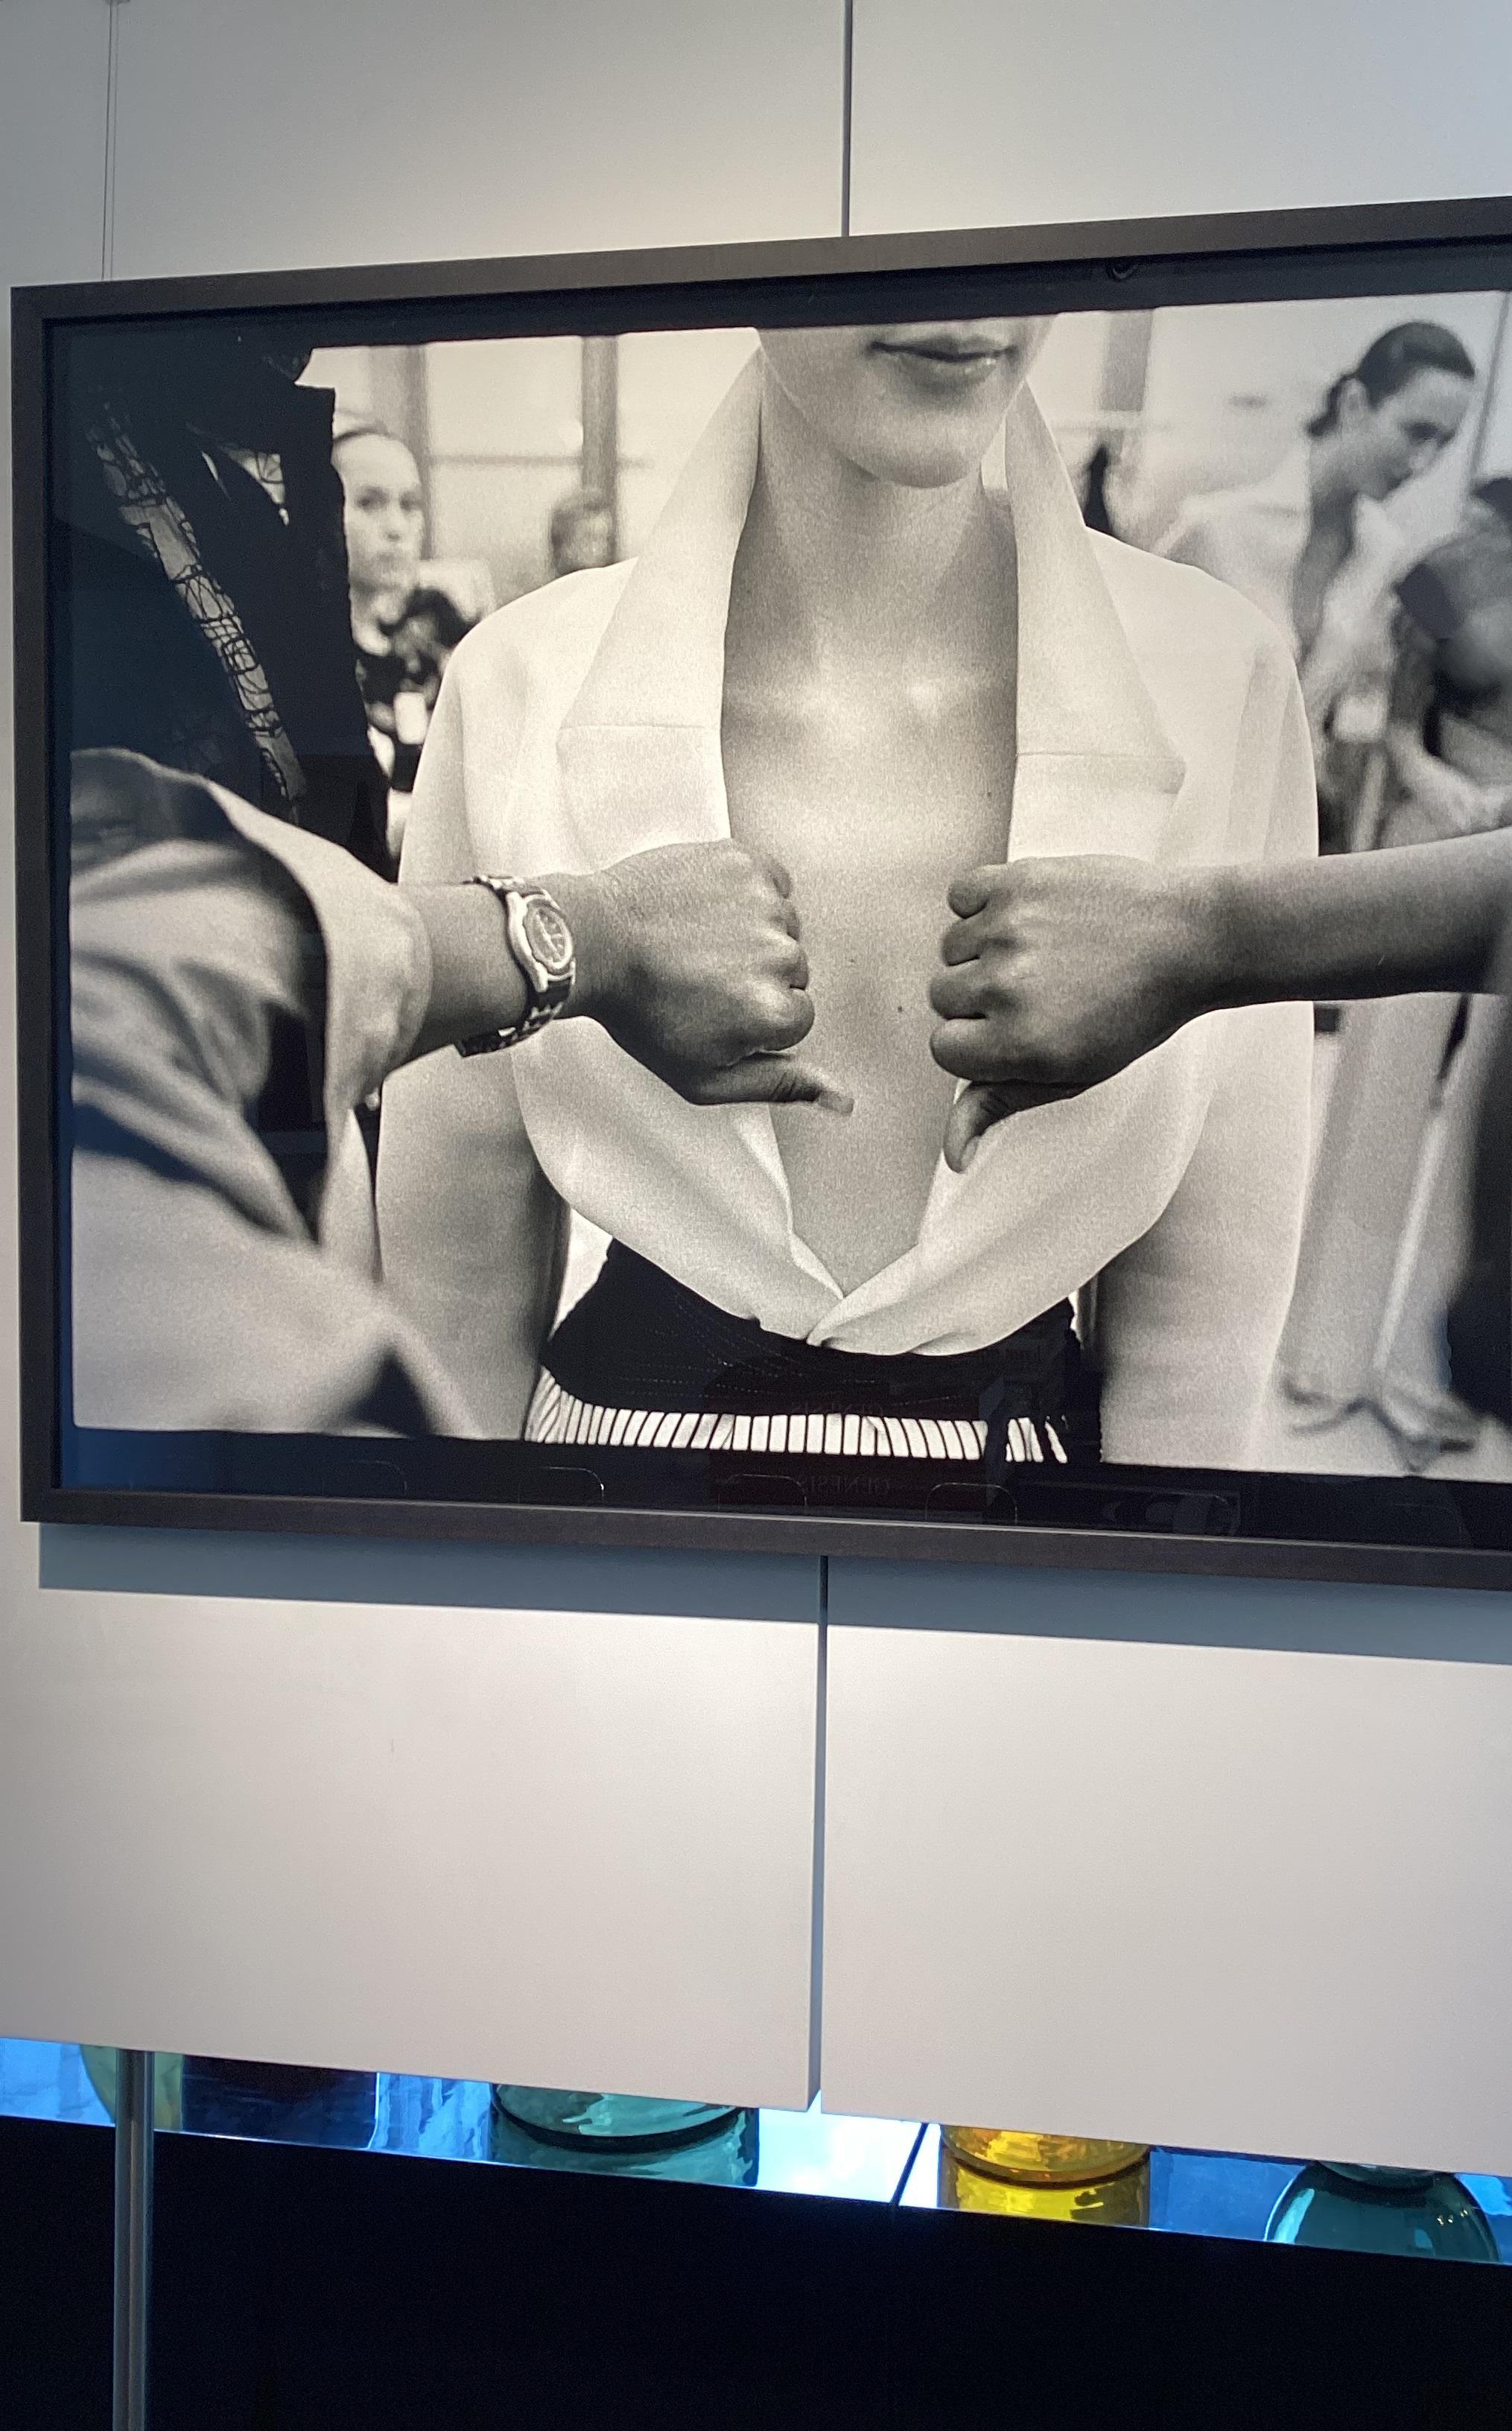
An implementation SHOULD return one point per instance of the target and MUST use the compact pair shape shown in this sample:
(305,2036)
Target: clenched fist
(1057,974)
(691,958)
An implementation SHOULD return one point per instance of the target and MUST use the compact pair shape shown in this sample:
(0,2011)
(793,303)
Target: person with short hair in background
(580,534)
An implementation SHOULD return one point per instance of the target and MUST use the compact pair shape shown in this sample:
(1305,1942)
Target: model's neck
(851,568)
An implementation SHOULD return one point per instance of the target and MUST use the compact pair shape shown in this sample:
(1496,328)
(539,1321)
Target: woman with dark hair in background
(1313,545)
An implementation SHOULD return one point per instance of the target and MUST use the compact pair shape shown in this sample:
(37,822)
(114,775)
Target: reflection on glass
(607,2121)
(1121,2201)
(100,2062)
(1437,2218)
(281,2105)
(724,2153)
(1041,2161)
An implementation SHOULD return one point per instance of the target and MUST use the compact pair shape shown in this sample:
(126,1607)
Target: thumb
(774,1081)
(985,1103)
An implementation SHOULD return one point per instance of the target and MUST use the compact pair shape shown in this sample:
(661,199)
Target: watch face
(548,937)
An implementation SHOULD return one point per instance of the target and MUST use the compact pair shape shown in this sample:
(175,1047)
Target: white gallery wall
(271,1798)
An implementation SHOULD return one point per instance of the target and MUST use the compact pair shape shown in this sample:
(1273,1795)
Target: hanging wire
(113,62)
(846,81)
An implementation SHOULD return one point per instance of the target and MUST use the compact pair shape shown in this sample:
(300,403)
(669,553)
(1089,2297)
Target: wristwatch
(541,942)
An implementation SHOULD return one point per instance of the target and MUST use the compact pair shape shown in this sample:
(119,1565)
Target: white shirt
(1158,714)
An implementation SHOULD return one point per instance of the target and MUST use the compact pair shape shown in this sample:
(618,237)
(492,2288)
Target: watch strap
(549,984)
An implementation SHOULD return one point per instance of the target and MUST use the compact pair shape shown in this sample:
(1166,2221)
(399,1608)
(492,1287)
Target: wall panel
(1232,1898)
(371,131)
(971,114)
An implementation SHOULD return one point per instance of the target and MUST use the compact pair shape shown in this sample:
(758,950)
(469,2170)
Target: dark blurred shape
(582,532)
(1480,1314)
(399,683)
(1096,513)
(282,2105)
(203,575)
(1452,693)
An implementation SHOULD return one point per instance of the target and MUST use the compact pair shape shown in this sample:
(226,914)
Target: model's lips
(945,363)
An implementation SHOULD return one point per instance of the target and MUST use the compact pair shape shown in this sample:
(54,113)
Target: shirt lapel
(639,750)
(1096,770)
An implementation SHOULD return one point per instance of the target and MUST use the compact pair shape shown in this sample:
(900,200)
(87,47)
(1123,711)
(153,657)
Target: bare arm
(1189,1316)
(1422,918)
(1059,973)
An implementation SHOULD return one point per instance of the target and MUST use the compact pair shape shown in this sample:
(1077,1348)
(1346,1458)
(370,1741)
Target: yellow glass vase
(1040,2160)
(1118,2202)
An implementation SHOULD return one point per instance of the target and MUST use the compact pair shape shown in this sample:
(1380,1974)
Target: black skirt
(642,1364)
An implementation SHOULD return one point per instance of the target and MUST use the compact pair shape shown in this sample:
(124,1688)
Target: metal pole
(600,424)
(135,2074)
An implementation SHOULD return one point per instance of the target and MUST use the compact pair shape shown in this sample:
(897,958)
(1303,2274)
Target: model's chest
(873,804)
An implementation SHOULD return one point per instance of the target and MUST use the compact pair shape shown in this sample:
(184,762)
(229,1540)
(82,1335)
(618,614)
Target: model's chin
(929,468)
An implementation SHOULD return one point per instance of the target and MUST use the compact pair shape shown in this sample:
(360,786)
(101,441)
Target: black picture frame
(1163,1521)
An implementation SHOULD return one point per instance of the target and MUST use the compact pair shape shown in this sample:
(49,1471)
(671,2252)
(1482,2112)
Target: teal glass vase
(609,2122)
(1382,2212)
(722,2153)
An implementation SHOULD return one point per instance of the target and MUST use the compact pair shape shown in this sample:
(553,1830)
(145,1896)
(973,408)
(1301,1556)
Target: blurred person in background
(1390,1205)
(580,534)
(405,630)
(1314,545)
(1449,740)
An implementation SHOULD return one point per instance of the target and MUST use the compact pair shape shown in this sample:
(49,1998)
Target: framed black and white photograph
(842,895)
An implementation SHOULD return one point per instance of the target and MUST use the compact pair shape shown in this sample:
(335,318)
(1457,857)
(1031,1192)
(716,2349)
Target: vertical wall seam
(816,1893)
(113,61)
(846,88)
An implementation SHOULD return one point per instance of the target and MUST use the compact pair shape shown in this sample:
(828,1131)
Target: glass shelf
(804,2152)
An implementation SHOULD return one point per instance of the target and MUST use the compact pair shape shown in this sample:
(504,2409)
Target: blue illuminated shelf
(807,2152)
